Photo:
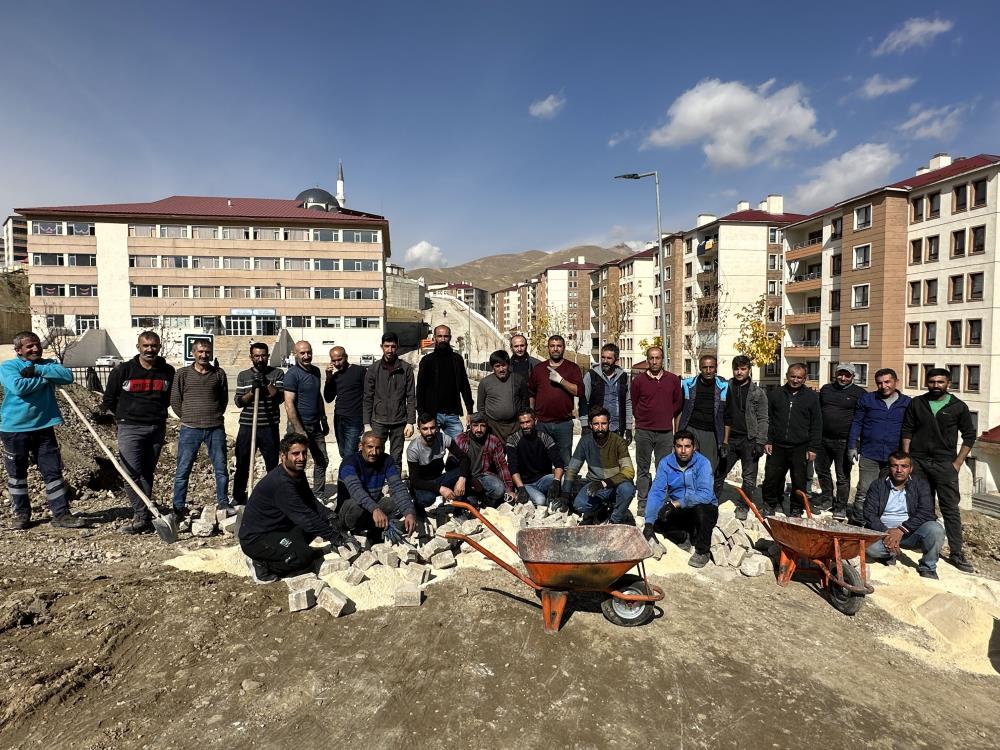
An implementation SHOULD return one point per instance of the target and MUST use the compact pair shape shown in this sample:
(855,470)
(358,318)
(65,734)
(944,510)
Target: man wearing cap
(502,394)
(489,473)
(930,432)
(838,401)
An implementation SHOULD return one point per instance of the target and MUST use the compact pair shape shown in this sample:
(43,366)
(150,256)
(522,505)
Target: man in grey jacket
(501,395)
(389,407)
(745,433)
(608,386)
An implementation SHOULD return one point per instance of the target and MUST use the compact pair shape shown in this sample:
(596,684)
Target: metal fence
(81,375)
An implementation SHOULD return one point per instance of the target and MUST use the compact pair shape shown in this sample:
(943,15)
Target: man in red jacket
(553,388)
(656,404)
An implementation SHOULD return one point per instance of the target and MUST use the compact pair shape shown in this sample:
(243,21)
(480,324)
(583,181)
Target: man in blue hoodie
(682,504)
(704,410)
(27,418)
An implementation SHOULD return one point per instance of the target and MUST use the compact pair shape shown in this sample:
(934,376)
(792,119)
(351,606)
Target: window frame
(861,265)
(859,328)
(858,226)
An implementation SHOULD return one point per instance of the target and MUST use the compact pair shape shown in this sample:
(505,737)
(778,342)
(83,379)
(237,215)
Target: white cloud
(915,32)
(621,137)
(547,108)
(739,126)
(933,124)
(877,86)
(864,167)
(425,254)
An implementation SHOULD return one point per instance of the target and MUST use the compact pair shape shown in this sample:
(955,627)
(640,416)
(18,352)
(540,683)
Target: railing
(80,374)
(806,277)
(807,243)
(803,344)
(806,310)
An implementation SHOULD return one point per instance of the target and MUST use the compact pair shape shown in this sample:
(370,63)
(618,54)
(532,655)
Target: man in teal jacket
(682,504)
(27,418)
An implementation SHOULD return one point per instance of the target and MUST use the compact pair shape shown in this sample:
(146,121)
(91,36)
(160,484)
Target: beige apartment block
(478,299)
(605,307)
(639,287)
(243,267)
(564,296)
(506,310)
(15,242)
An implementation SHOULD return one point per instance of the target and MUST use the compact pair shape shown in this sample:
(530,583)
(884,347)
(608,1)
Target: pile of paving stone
(744,545)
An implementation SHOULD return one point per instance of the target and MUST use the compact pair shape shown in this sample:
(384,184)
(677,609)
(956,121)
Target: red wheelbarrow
(828,545)
(580,558)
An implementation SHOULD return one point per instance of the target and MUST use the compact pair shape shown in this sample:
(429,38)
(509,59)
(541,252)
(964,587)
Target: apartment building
(400,291)
(527,303)
(506,310)
(726,265)
(230,266)
(15,242)
(478,299)
(639,285)
(564,290)
(606,307)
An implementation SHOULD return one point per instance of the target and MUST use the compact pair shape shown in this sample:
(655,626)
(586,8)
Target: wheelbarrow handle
(475,512)
(750,504)
(805,503)
(486,553)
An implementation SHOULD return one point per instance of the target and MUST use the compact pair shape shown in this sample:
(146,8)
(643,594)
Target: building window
(773,262)
(55,321)
(326,235)
(933,205)
(173,231)
(86,323)
(326,292)
(861,368)
(976,281)
(360,265)
(46,227)
(773,287)
(267,264)
(916,251)
(141,230)
(835,300)
(836,265)
(917,209)
(666,297)
(956,376)
(208,323)
(687,270)
(954,333)
(204,261)
(913,334)
(912,375)
(930,292)
(862,256)
(145,321)
(48,259)
(930,333)
(266,233)
(978,240)
(298,321)
(236,292)
(298,292)
(688,294)
(350,322)
(205,233)
(862,217)
(688,246)
(687,317)
(687,366)
(82,290)
(145,290)
(975,329)
(143,261)
(267,292)
(834,335)
(50,290)
(859,335)
(297,264)
(961,201)
(837,229)
(364,235)
(933,248)
(927,367)
(174,261)
(295,235)
(914,293)
(236,233)
(82,259)
(242,264)
(205,292)
(860,295)
(958,243)
(80,228)
(978,193)
(361,293)
(972,378)
(773,236)
(956,288)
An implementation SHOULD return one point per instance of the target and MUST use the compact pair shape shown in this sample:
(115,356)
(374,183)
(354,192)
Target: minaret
(340,185)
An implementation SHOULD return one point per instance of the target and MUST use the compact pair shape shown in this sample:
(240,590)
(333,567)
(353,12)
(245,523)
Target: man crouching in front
(283,516)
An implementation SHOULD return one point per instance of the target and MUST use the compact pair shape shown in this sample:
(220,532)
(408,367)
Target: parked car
(108,360)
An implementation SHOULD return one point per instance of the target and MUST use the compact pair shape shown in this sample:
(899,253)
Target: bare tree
(54,334)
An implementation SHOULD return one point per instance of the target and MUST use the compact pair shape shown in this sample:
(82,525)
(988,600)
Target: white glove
(554,375)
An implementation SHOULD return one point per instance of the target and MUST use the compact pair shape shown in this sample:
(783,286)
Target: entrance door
(239,325)
(267,325)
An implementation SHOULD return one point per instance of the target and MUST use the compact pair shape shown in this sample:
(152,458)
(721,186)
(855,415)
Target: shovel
(165,526)
(253,438)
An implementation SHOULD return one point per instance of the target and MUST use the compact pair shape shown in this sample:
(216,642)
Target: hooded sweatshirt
(689,485)
(30,403)
(137,395)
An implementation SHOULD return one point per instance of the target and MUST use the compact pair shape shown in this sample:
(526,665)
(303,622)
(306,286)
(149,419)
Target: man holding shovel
(258,394)
(138,394)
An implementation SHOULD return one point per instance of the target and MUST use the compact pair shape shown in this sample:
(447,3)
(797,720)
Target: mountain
(496,272)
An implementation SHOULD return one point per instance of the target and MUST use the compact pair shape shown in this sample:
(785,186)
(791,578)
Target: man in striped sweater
(199,398)
(610,472)
(267,381)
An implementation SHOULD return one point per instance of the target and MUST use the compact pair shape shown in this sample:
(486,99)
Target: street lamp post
(660,253)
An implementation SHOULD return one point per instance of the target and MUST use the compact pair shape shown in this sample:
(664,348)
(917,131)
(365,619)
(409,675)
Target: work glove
(260,381)
(724,450)
(852,455)
(521,495)
(554,375)
(596,486)
(627,437)
(563,503)
(647,532)
(555,489)
(758,451)
(29,372)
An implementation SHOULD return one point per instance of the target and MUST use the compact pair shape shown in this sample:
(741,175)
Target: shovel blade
(166,528)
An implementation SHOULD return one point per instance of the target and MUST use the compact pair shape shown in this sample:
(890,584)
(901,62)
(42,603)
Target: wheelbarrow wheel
(843,600)
(628,614)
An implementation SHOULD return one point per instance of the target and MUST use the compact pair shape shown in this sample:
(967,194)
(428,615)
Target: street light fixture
(660,254)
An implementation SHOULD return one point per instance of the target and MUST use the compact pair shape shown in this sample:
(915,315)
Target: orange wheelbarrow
(828,546)
(580,558)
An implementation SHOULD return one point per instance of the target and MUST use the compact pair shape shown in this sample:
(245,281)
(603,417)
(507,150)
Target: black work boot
(68,521)
(21,521)
(138,525)
(959,560)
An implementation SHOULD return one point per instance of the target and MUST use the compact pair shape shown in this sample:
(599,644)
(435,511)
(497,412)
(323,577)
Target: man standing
(903,505)
(306,411)
(502,394)
(488,470)
(656,404)
(265,380)
(283,517)
(390,404)
(536,467)
(443,384)
(705,407)
(362,507)
(553,387)
(795,432)
(138,394)
(930,435)
(877,424)
(521,363)
(838,401)
(608,386)
(345,382)
(609,472)
(27,417)
(682,502)
(199,398)
(425,455)
(746,432)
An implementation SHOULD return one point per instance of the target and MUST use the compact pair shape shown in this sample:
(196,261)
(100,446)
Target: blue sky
(479,128)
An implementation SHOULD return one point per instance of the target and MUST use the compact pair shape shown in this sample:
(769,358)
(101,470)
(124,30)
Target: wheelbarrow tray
(814,539)
(581,558)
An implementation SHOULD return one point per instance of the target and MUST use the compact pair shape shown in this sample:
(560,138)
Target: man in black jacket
(389,405)
(837,401)
(746,423)
(267,381)
(443,384)
(138,393)
(903,506)
(930,435)
(345,382)
(794,437)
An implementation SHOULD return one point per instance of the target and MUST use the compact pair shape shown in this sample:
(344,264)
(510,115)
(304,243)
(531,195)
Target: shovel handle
(750,504)
(110,455)
(253,437)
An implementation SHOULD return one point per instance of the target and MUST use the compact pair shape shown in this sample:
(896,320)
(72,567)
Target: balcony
(805,249)
(804,282)
(801,348)
(805,315)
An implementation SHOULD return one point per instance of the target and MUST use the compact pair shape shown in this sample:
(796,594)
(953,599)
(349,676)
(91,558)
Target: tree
(547,322)
(711,314)
(755,341)
(645,344)
(54,334)
(614,312)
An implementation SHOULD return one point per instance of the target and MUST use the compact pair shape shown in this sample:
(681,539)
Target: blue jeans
(347,430)
(537,489)
(188,443)
(562,433)
(41,446)
(450,424)
(621,496)
(493,486)
(928,538)
(425,498)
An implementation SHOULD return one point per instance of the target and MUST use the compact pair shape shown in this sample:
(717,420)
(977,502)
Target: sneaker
(698,560)
(68,521)
(138,526)
(840,516)
(21,521)
(959,560)
(229,510)
(889,560)
(179,513)
(685,546)
(928,573)
(259,573)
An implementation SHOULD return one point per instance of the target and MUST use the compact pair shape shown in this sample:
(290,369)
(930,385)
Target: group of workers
(516,446)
